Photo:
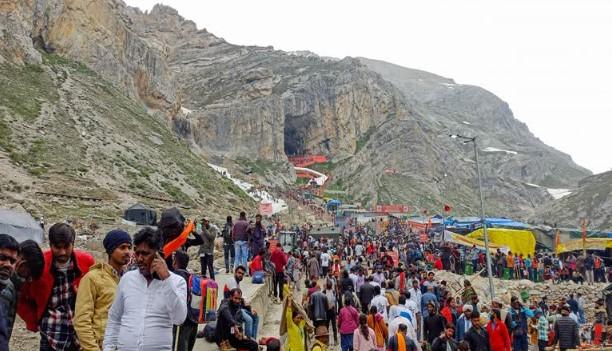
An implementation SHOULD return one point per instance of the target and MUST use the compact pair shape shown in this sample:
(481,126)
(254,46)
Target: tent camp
(20,226)
(140,214)
(517,241)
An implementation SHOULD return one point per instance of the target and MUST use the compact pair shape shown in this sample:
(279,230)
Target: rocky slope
(73,146)
(256,104)
(592,200)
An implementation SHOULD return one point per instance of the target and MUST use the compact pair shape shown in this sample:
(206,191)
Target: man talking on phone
(148,302)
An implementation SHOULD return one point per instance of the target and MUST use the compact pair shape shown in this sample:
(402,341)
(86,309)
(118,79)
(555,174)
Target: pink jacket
(348,320)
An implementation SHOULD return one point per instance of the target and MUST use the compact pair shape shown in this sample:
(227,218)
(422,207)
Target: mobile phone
(160,255)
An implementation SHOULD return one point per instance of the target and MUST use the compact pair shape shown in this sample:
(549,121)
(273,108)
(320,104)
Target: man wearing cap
(464,322)
(321,339)
(97,290)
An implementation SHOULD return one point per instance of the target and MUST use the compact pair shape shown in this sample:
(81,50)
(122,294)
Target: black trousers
(186,336)
(229,255)
(244,344)
(331,319)
(206,261)
(278,284)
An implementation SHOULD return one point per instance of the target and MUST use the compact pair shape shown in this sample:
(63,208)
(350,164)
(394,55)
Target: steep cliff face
(235,102)
(592,199)
(65,130)
(100,34)
(508,148)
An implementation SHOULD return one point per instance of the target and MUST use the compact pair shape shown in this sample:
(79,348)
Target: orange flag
(179,241)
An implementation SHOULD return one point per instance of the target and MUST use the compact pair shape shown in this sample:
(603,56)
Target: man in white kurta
(148,302)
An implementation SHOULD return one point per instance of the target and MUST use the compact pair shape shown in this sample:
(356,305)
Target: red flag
(447,208)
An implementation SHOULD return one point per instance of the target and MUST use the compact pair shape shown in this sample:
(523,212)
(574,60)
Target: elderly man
(464,322)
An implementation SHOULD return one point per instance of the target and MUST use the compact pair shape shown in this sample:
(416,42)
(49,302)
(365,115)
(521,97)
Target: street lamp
(482,212)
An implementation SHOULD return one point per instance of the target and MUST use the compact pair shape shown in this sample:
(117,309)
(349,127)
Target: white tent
(20,226)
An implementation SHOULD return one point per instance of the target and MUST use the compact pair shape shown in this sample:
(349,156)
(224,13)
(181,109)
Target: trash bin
(506,275)
(525,295)
(469,269)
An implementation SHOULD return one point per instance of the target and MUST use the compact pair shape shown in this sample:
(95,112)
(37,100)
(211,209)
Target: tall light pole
(482,212)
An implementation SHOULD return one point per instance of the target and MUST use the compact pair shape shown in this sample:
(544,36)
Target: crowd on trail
(359,291)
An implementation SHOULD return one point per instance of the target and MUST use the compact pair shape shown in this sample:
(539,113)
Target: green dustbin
(506,275)
(469,269)
(525,295)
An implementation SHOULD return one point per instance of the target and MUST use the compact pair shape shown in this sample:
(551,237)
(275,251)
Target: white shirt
(412,306)
(359,250)
(232,283)
(396,311)
(381,303)
(325,258)
(411,334)
(142,316)
(415,296)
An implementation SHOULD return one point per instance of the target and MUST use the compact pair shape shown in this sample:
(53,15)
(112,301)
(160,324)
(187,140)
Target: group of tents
(22,226)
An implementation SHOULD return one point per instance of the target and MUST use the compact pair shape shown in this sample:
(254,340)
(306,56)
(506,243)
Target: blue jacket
(460,328)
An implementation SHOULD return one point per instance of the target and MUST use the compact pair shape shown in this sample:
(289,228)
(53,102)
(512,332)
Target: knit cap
(114,239)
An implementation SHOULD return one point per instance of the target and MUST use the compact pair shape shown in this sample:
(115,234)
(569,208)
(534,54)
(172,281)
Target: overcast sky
(551,60)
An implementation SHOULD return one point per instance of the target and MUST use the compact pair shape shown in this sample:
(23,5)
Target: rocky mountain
(234,105)
(74,146)
(592,199)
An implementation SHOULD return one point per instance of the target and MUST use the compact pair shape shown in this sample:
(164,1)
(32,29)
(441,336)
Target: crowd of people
(360,291)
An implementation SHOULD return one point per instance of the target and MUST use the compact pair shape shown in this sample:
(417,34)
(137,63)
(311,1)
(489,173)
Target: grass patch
(361,142)
(260,167)
(177,193)
(23,90)
(325,168)
(5,136)
(73,66)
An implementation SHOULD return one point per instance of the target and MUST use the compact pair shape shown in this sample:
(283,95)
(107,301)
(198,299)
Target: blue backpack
(258,277)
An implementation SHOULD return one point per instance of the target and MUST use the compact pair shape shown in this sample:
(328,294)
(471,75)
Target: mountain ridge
(232,102)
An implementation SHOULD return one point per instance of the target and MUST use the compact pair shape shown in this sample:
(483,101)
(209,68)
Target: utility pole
(482,211)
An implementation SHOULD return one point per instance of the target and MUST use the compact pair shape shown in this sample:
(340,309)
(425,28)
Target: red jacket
(499,339)
(34,296)
(256,264)
(279,259)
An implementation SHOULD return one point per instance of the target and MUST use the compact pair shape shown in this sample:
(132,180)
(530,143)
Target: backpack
(209,331)
(202,299)
(227,234)
(258,277)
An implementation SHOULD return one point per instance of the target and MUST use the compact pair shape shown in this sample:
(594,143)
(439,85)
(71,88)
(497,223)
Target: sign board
(393,208)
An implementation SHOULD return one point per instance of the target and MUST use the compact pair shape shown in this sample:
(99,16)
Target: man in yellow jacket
(97,291)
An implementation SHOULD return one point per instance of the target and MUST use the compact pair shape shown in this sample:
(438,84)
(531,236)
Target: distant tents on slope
(20,226)
(141,215)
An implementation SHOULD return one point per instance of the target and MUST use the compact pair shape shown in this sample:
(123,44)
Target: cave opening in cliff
(295,136)
(294,142)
